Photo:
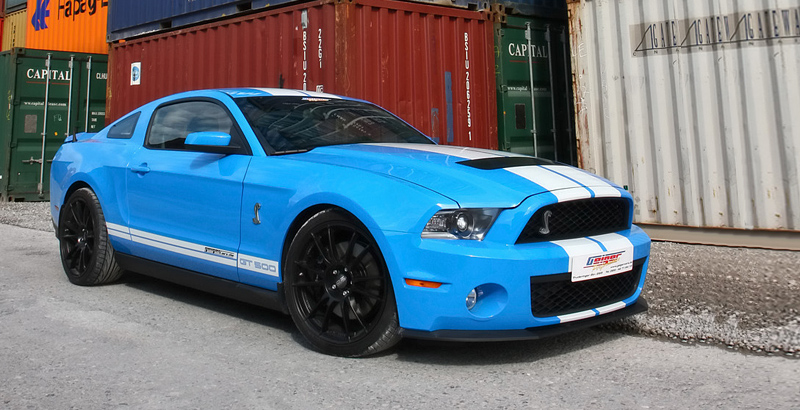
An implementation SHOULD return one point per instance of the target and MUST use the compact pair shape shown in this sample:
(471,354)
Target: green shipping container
(46,95)
(530,50)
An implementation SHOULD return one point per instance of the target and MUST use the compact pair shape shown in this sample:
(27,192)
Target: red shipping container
(432,66)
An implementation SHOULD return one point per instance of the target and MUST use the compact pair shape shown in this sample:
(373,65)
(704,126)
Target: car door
(185,205)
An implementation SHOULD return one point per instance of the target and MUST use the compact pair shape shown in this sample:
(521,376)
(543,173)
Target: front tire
(338,288)
(86,253)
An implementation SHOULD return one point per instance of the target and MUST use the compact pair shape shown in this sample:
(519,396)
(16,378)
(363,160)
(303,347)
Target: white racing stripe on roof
(281,92)
(555,183)
(601,188)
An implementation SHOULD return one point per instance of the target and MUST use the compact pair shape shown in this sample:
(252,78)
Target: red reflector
(423,283)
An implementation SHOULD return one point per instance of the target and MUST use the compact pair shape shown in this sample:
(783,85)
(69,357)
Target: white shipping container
(695,106)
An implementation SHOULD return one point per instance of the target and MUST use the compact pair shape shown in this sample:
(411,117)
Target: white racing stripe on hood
(579,246)
(613,241)
(453,151)
(557,184)
(598,186)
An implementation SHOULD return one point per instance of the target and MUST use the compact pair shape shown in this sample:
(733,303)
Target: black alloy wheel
(86,254)
(338,288)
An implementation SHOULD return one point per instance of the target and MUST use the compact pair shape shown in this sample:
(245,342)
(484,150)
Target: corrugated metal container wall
(430,65)
(69,26)
(433,66)
(693,105)
(14,30)
(129,18)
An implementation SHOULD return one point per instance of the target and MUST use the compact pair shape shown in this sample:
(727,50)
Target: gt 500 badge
(595,266)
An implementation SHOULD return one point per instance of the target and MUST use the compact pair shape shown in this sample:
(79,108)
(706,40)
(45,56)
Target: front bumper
(525,334)
(504,272)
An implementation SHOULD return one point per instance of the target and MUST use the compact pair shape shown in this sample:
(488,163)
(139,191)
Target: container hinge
(32,161)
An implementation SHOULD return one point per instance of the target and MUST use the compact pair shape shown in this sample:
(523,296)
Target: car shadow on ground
(486,353)
(408,350)
(209,301)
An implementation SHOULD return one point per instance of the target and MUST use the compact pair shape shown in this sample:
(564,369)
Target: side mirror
(211,142)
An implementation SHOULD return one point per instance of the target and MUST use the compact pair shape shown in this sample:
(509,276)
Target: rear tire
(338,288)
(86,253)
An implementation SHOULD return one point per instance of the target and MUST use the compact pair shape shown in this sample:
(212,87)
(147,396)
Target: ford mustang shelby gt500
(345,217)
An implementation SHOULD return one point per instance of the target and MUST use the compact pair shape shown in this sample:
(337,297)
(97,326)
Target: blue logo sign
(41,14)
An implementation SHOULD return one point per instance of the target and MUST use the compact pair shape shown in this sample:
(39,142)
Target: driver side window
(172,123)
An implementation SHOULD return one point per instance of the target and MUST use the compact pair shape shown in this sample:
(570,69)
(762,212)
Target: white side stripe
(557,185)
(186,252)
(118,231)
(258,265)
(137,234)
(194,250)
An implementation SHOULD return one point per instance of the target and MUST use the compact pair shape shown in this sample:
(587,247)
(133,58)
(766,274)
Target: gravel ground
(745,299)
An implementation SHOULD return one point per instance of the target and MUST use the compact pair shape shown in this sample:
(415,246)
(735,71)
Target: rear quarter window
(124,129)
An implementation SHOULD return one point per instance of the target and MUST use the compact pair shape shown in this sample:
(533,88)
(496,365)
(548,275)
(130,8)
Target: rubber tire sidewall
(102,268)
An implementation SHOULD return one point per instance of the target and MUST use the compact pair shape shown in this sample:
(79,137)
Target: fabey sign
(68,25)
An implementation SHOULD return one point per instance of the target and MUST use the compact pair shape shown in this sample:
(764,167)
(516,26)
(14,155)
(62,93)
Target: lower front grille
(554,295)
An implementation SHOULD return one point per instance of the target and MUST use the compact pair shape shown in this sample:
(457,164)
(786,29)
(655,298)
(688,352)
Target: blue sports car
(342,215)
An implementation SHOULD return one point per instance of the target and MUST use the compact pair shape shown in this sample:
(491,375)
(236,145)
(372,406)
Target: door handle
(141,169)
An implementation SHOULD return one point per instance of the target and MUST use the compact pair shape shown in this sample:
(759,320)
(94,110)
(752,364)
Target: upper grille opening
(576,219)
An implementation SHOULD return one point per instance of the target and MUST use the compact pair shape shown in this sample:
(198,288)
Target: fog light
(472,297)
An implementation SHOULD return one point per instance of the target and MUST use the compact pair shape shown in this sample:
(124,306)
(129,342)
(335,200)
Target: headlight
(460,224)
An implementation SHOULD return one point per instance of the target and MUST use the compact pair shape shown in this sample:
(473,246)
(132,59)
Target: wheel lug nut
(333,286)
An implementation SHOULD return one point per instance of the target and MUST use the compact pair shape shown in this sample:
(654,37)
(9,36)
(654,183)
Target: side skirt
(234,290)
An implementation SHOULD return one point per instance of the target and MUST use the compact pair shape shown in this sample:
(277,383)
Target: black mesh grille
(576,219)
(554,295)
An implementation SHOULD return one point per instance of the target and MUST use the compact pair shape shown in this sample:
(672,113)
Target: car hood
(471,177)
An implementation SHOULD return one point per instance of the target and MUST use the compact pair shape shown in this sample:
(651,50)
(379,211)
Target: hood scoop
(487,164)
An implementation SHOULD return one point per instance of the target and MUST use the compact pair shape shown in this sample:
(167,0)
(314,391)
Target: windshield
(297,124)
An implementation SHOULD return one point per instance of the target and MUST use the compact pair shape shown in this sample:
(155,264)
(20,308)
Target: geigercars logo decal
(603,260)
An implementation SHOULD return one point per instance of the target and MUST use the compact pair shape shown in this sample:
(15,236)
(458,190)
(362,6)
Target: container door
(40,111)
(533,89)
(89,95)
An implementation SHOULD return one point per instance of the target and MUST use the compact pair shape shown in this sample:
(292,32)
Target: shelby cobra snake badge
(256,219)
